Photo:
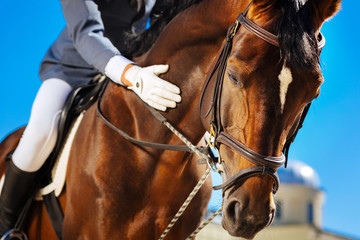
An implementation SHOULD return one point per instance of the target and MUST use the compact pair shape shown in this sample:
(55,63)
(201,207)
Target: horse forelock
(297,34)
(163,12)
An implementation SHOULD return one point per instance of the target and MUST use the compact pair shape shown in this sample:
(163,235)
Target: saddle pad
(59,171)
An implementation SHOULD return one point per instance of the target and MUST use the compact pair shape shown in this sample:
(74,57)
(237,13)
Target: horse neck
(190,44)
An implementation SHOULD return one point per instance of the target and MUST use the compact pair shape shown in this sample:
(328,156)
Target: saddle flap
(79,100)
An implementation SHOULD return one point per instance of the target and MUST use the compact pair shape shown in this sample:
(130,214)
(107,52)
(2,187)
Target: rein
(182,148)
(189,147)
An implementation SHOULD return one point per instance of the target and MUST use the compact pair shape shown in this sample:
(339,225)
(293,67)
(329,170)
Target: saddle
(79,100)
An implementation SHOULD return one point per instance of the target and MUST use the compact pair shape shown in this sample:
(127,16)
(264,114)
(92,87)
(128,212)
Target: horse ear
(325,9)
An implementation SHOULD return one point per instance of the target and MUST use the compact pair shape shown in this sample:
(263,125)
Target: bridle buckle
(234,29)
(212,136)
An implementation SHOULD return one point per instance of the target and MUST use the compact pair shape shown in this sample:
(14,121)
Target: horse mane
(137,44)
(296,33)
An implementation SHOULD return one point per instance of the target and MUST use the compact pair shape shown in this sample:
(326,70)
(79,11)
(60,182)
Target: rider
(84,48)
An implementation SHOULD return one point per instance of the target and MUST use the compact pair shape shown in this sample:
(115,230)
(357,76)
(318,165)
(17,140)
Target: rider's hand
(153,90)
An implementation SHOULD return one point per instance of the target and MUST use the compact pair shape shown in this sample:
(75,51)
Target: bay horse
(118,190)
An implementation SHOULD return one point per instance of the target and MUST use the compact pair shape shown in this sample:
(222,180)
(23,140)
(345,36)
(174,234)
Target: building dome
(299,173)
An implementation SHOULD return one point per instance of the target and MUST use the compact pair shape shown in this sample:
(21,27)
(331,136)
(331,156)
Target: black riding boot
(17,188)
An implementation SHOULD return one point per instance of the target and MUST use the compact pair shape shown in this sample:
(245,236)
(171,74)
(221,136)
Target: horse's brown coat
(116,190)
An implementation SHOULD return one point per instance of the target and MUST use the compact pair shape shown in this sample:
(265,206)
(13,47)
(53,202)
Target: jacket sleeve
(87,32)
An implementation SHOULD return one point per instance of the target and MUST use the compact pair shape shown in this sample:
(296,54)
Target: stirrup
(14,234)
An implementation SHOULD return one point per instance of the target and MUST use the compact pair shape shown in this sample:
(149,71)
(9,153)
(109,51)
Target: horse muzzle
(240,218)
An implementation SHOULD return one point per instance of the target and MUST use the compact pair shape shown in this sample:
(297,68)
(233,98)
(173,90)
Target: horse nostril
(233,211)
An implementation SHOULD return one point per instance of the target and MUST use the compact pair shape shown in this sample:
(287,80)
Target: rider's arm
(87,32)
(86,29)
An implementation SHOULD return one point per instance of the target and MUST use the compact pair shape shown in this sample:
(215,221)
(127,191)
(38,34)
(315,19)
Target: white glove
(153,90)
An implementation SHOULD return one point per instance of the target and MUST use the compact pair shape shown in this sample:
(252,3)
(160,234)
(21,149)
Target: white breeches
(40,135)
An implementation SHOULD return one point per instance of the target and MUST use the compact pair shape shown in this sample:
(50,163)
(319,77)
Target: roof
(298,172)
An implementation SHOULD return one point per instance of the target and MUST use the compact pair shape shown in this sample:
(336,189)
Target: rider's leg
(36,144)
(40,135)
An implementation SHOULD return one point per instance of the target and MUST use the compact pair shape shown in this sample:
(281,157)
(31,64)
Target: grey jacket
(88,41)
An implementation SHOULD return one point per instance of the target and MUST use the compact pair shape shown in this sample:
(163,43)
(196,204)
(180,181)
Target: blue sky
(329,140)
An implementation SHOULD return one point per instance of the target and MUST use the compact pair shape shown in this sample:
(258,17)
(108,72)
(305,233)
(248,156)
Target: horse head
(255,97)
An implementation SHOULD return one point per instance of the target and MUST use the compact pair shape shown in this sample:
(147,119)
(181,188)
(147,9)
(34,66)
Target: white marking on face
(285,78)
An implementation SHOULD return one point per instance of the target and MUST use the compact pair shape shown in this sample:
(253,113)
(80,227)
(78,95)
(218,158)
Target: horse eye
(319,37)
(320,41)
(234,80)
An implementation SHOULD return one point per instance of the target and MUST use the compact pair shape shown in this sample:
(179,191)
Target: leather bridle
(265,165)
(210,103)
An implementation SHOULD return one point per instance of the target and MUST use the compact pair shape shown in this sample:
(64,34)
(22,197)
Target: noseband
(265,165)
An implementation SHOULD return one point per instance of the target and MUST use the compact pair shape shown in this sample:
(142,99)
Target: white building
(299,203)
(299,199)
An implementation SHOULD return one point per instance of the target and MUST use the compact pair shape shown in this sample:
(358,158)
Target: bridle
(264,165)
(210,103)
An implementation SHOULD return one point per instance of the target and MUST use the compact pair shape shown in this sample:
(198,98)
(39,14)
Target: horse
(251,102)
